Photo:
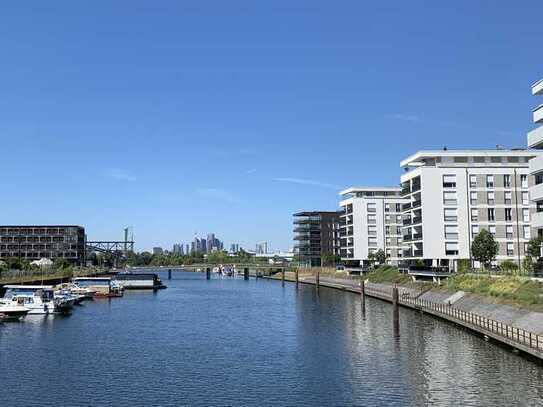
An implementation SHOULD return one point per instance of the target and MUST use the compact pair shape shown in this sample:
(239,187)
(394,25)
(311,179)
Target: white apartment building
(453,195)
(371,219)
(535,140)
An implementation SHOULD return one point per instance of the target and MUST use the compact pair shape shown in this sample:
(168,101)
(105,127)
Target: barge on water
(139,281)
(102,286)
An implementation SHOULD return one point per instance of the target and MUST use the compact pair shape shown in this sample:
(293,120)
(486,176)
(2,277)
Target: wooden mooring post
(283,276)
(208,273)
(297,277)
(246,273)
(395,312)
(363,294)
(169,274)
(318,280)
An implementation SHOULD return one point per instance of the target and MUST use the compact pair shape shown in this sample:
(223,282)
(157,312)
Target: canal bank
(493,321)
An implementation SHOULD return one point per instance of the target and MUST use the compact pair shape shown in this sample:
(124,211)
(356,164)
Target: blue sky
(178,117)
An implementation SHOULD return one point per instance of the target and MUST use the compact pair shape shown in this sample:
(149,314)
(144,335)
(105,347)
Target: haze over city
(172,119)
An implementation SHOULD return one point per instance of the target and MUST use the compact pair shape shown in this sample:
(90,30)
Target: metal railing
(498,328)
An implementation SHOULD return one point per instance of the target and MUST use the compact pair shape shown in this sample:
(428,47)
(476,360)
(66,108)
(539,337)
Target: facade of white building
(371,219)
(535,140)
(453,195)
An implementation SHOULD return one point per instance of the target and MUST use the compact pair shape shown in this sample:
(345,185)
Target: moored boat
(102,286)
(139,281)
(39,299)
(13,312)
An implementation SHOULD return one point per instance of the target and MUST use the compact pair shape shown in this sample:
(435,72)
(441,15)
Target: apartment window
(508,215)
(398,230)
(507,181)
(372,207)
(372,220)
(474,230)
(473,181)
(387,207)
(387,218)
(510,249)
(451,249)
(509,232)
(389,253)
(449,181)
(490,198)
(450,215)
(490,181)
(526,215)
(398,207)
(451,232)
(372,230)
(492,230)
(525,198)
(524,181)
(473,198)
(388,240)
(539,178)
(491,214)
(387,230)
(398,218)
(507,197)
(372,241)
(474,215)
(526,232)
(449,198)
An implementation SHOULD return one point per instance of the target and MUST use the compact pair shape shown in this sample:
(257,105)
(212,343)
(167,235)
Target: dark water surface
(228,342)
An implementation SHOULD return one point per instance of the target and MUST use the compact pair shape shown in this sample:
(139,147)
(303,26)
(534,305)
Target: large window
(372,207)
(491,214)
(490,199)
(507,197)
(526,215)
(473,181)
(508,215)
(449,198)
(509,232)
(525,198)
(387,207)
(507,181)
(451,249)
(474,215)
(451,215)
(474,230)
(510,249)
(451,232)
(449,181)
(524,181)
(372,241)
(372,230)
(473,198)
(492,230)
(526,232)
(372,220)
(490,181)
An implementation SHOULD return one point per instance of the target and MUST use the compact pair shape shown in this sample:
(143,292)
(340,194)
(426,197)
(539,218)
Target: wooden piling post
(318,279)
(283,276)
(363,294)
(297,277)
(208,273)
(246,273)
(395,312)
(169,274)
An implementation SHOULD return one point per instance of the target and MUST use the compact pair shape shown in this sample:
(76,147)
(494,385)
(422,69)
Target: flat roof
(414,158)
(369,189)
(31,287)
(314,213)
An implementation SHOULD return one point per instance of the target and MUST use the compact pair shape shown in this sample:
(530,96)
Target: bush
(463,265)
(509,266)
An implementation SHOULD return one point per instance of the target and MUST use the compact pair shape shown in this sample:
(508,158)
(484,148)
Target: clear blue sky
(228,116)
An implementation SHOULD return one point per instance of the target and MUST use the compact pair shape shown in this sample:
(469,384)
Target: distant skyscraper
(261,248)
(177,248)
(203,246)
(187,249)
(234,248)
(157,250)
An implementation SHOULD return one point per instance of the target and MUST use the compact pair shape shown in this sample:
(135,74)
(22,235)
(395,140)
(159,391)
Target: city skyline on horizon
(190,123)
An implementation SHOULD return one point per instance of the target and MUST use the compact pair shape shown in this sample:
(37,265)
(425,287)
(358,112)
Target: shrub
(509,266)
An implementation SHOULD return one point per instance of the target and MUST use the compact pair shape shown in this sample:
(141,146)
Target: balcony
(537,220)
(417,204)
(415,187)
(407,238)
(416,220)
(417,236)
(537,88)
(406,221)
(535,139)
(538,114)
(406,190)
(406,207)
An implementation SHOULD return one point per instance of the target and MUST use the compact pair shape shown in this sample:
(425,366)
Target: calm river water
(229,342)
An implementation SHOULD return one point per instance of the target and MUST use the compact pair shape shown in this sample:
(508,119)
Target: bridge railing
(518,335)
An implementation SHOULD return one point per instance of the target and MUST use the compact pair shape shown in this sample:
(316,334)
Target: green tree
(330,259)
(534,247)
(484,248)
(380,256)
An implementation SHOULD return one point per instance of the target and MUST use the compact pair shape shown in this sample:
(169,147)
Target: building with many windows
(371,219)
(36,242)
(535,140)
(453,195)
(315,235)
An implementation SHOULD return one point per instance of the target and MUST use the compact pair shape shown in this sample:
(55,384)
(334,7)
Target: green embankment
(513,290)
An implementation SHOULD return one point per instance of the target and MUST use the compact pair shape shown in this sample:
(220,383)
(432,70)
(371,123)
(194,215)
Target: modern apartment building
(315,235)
(36,242)
(453,195)
(371,219)
(535,140)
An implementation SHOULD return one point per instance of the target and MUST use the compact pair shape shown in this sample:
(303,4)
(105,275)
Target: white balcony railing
(538,114)
(537,88)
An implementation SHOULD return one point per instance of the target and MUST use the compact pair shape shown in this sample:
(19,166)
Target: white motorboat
(39,299)
(13,312)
